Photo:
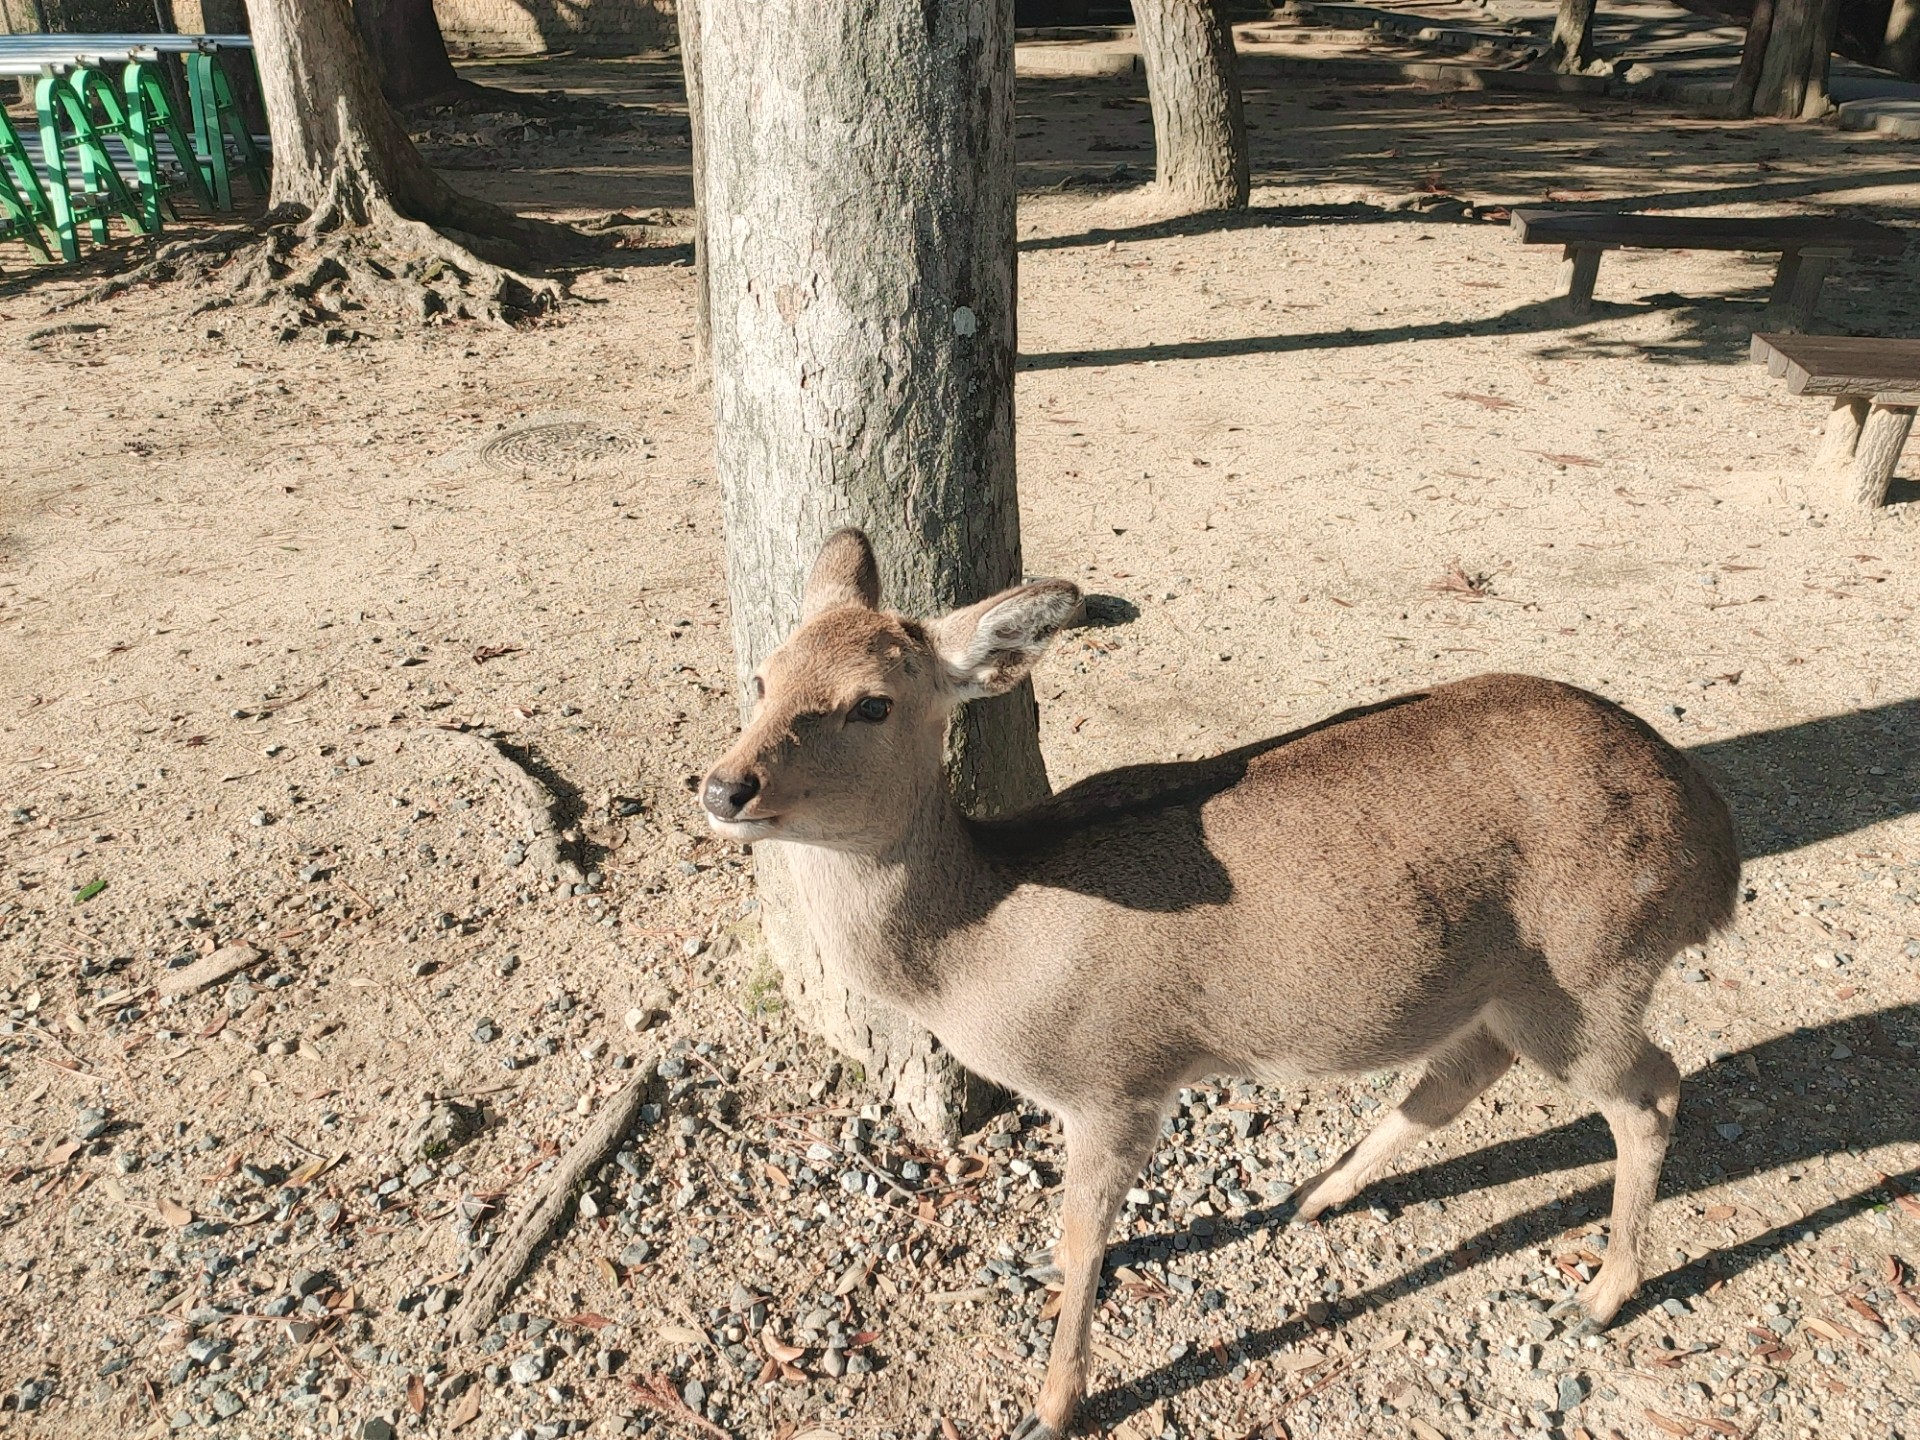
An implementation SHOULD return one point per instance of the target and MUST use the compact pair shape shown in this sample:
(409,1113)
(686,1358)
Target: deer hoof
(1579,1320)
(1034,1428)
(1287,1211)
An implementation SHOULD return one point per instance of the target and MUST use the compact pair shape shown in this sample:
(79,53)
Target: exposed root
(550,848)
(495,1276)
(349,257)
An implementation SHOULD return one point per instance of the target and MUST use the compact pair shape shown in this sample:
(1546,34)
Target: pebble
(1572,1392)
(530,1368)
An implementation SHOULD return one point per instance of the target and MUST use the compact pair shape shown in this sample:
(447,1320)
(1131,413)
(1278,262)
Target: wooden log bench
(1807,246)
(1875,386)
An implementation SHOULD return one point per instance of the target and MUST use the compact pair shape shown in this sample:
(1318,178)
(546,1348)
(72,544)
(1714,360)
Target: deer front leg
(1103,1158)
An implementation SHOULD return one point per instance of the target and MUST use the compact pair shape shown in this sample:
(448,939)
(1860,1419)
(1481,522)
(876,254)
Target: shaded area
(1712,331)
(1801,784)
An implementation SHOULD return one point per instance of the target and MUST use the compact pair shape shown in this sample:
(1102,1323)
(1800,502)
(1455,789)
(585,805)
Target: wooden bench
(1875,385)
(1807,247)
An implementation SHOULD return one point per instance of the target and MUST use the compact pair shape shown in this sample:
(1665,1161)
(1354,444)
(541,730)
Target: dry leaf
(465,1409)
(587,1320)
(1422,1429)
(1827,1329)
(60,1154)
(777,1348)
(174,1213)
(416,1394)
(1300,1360)
(1717,1213)
(682,1335)
(1668,1423)
(609,1272)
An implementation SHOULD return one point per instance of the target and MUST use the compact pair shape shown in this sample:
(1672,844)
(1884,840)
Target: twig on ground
(495,1276)
(551,852)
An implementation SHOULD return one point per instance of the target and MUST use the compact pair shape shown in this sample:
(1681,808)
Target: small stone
(1693,977)
(530,1368)
(376,1427)
(1732,1130)
(834,1362)
(1572,1391)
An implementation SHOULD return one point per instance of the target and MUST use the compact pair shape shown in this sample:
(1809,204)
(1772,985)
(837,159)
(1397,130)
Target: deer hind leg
(1455,1074)
(1103,1158)
(1640,1101)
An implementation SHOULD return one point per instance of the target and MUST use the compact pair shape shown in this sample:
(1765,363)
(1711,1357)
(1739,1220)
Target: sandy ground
(1332,450)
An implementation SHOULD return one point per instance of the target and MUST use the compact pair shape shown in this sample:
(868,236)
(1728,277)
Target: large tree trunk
(1199,127)
(1570,50)
(859,250)
(409,51)
(1900,51)
(688,14)
(1793,78)
(1753,59)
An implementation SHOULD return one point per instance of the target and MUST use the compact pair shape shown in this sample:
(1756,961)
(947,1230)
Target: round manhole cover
(562,447)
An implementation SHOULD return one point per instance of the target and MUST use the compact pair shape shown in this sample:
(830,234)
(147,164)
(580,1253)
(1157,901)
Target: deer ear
(988,648)
(844,573)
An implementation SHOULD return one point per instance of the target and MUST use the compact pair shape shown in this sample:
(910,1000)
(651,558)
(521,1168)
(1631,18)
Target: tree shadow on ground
(1711,331)
(1800,784)
(1813,1092)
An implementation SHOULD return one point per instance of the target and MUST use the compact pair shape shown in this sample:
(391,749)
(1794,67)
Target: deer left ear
(988,648)
(844,573)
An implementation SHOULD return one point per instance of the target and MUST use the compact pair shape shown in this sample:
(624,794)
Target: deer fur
(1496,867)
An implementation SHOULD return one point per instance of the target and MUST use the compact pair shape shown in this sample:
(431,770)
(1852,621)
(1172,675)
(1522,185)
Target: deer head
(850,714)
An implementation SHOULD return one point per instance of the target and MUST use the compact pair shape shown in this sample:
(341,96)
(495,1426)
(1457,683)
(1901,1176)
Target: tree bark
(687,13)
(859,251)
(1199,126)
(1570,50)
(1753,58)
(1793,78)
(409,51)
(1900,51)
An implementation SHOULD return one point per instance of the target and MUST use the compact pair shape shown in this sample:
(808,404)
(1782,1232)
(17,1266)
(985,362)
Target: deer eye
(759,688)
(872,710)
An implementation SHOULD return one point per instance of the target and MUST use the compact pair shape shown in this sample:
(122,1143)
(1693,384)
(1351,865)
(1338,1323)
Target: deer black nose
(726,797)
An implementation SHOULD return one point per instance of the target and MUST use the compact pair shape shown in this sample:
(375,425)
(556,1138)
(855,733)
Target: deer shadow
(1796,1077)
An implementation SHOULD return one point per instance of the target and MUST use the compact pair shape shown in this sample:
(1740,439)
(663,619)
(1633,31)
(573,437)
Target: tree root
(550,849)
(319,270)
(496,1275)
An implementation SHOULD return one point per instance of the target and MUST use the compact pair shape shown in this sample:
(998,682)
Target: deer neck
(885,922)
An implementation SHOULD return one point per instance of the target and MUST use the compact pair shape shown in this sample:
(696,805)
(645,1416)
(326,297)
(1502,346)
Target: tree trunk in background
(859,250)
(1793,78)
(688,15)
(1199,128)
(1753,59)
(1571,48)
(1900,51)
(408,50)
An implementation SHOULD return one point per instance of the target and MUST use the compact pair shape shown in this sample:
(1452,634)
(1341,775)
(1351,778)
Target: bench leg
(1842,437)
(1878,451)
(1579,265)
(1796,290)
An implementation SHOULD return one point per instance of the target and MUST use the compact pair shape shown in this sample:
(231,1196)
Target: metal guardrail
(103,108)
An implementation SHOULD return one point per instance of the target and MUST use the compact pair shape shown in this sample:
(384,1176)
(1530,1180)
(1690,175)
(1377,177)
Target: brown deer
(1496,866)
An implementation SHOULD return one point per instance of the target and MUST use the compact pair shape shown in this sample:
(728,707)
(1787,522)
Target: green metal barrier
(89,89)
(23,201)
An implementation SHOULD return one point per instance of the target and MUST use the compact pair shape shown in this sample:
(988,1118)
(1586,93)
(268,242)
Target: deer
(1492,868)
